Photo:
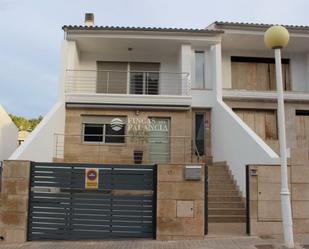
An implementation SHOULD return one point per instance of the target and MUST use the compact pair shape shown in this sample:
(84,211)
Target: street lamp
(277,37)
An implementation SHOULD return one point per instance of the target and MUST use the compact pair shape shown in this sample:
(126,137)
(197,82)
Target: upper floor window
(199,69)
(144,78)
(104,129)
(128,77)
(256,73)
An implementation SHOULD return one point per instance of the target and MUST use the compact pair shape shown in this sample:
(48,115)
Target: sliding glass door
(144,78)
(128,77)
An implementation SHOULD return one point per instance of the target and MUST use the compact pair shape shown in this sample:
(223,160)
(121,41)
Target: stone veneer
(265,205)
(181,132)
(14,197)
(175,198)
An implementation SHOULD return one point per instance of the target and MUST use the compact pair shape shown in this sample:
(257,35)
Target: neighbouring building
(8,135)
(178,98)
(22,135)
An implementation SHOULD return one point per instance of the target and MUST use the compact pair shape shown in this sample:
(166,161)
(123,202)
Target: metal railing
(128,82)
(171,149)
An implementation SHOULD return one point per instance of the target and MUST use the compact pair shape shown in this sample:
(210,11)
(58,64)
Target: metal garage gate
(122,206)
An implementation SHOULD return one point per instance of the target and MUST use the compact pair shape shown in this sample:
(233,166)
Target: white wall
(39,145)
(202,98)
(298,67)
(185,64)
(233,141)
(69,61)
(307,70)
(8,135)
(205,98)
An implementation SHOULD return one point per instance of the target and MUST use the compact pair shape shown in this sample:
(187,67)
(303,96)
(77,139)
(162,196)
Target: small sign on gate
(92,178)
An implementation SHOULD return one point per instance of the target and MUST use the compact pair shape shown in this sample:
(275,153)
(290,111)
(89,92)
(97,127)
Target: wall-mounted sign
(92,178)
(149,124)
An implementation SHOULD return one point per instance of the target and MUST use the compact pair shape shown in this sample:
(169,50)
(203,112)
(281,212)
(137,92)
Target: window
(93,132)
(124,77)
(262,122)
(103,129)
(114,136)
(144,78)
(199,133)
(302,112)
(257,73)
(199,69)
(112,77)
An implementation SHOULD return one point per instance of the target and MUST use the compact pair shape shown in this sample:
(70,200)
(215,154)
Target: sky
(31,35)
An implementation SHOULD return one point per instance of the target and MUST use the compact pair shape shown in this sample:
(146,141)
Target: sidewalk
(208,243)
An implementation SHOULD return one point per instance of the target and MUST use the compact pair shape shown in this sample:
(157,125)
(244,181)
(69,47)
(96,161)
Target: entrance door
(159,140)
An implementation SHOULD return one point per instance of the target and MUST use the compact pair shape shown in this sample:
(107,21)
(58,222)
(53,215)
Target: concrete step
(220,177)
(215,173)
(219,198)
(221,204)
(219,167)
(213,181)
(227,218)
(225,204)
(226,211)
(219,163)
(226,229)
(223,192)
(225,186)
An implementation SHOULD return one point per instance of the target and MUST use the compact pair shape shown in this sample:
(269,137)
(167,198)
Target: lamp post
(277,37)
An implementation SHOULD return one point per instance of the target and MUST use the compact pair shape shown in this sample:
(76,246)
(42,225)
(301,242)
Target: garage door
(120,203)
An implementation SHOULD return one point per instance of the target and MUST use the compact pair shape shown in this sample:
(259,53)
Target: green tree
(24,123)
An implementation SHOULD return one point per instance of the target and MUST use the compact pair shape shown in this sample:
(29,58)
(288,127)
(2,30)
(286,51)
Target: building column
(185,67)
(14,197)
(217,69)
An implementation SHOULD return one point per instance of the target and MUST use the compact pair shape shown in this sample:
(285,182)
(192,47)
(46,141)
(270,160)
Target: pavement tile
(208,243)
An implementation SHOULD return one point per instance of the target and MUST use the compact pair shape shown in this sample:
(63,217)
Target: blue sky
(31,35)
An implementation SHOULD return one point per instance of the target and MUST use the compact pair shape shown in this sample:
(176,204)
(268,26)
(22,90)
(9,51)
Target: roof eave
(255,26)
(68,28)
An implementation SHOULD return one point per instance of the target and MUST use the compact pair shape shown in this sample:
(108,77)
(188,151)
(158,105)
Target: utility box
(185,209)
(193,172)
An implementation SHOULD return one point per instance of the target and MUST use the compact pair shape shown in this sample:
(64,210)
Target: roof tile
(122,28)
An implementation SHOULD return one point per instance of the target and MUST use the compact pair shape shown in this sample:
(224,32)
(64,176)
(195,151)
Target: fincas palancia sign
(140,123)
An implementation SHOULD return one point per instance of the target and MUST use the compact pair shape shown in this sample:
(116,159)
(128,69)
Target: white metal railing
(175,149)
(128,82)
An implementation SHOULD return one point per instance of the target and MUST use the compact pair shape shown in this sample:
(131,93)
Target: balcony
(128,87)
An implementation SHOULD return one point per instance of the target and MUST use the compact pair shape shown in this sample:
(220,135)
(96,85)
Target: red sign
(92,178)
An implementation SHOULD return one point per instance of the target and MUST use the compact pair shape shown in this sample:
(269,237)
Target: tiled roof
(221,24)
(118,28)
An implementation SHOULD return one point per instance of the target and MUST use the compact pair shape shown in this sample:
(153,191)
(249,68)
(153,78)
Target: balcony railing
(171,149)
(127,82)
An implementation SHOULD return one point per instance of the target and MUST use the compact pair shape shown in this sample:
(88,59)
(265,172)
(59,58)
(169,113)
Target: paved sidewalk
(208,243)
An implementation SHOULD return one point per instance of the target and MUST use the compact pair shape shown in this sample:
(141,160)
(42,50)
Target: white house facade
(185,96)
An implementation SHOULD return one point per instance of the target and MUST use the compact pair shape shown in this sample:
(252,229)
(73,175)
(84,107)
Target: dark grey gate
(60,208)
